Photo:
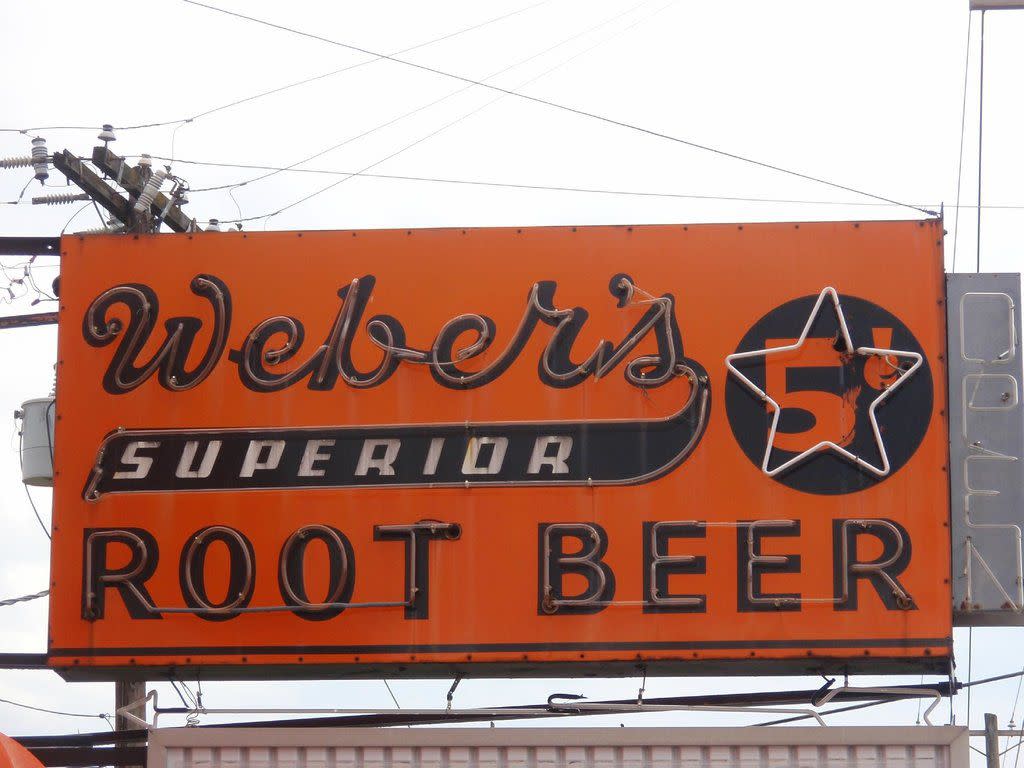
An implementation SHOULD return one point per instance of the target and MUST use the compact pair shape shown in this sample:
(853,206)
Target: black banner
(609,452)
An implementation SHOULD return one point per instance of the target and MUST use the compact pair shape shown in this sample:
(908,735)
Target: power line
(565,108)
(181,121)
(414,111)
(462,117)
(537,187)
(23,599)
(101,716)
(49,128)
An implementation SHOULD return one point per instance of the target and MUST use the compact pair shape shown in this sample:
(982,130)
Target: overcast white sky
(867,94)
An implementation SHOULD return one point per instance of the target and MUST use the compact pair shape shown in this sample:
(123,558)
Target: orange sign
(488,450)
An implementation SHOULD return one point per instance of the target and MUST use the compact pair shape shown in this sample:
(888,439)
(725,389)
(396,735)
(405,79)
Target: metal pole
(29,246)
(126,692)
(991,740)
(981,102)
(27,321)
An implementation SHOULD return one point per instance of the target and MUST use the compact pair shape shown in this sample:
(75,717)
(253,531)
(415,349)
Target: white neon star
(850,349)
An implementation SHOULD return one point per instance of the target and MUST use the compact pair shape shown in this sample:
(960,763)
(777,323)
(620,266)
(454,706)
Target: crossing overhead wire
(537,187)
(566,108)
(472,112)
(350,67)
(179,122)
(414,111)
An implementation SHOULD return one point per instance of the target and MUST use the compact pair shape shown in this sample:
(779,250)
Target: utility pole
(128,692)
(991,740)
(93,185)
(146,206)
(144,209)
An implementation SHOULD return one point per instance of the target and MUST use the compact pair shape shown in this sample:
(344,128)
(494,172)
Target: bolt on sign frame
(538,451)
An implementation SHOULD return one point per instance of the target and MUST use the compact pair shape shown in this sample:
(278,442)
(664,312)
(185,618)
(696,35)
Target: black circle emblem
(825,394)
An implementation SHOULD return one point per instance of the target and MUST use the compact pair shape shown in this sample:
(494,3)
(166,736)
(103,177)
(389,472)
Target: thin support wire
(75,216)
(174,135)
(963,123)
(981,102)
(970,665)
(231,194)
(392,694)
(21,460)
(1013,715)
(174,685)
(1020,734)
(36,511)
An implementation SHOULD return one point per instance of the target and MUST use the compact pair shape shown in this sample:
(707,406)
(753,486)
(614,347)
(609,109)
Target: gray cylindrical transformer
(37,441)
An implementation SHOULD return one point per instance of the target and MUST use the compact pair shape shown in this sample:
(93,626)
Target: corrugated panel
(750,756)
(940,747)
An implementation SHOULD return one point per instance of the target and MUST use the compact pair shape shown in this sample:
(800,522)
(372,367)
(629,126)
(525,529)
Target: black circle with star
(902,417)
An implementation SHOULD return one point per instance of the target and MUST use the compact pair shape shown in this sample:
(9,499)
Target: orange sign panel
(534,451)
